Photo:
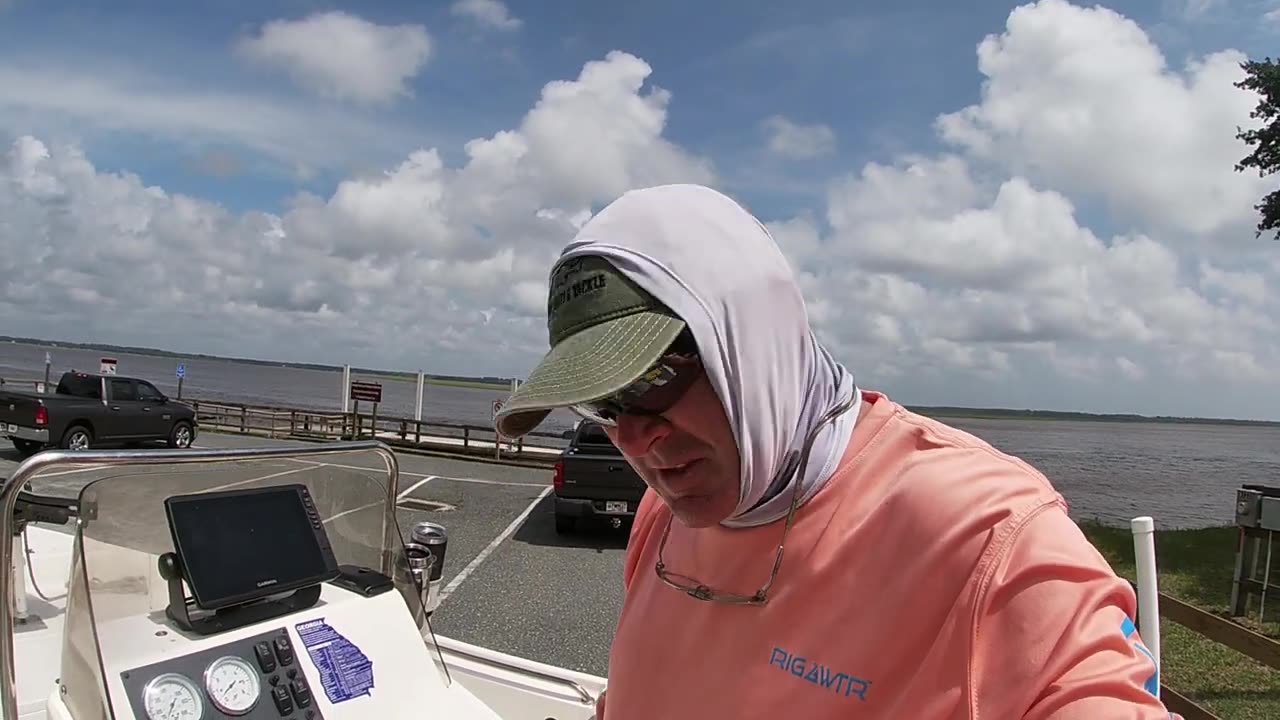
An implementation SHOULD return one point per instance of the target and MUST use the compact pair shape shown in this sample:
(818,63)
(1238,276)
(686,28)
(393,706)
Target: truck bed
(18,418)
(593,479)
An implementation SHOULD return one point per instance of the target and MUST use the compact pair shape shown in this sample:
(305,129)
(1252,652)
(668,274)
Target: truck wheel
(26,448)
(565,524)
(180,436)
(77,437)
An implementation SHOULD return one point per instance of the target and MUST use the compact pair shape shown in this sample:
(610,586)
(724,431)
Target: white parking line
(254,479)
(399,496)
(405,473)
(415,486)
(493,545)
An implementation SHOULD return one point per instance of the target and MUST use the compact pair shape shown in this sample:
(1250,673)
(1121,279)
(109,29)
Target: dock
(538,448)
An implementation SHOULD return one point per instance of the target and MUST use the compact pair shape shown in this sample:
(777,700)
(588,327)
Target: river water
(1183,475)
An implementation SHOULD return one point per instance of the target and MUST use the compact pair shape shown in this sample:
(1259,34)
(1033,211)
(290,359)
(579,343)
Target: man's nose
(635,434)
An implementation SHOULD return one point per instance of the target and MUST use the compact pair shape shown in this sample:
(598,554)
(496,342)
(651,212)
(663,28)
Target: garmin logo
(265,583)
(819,674)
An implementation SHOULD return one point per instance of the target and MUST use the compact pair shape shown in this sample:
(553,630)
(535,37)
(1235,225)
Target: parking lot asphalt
(510,582)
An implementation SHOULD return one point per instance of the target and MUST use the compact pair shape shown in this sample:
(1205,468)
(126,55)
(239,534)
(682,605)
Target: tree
(1263,77)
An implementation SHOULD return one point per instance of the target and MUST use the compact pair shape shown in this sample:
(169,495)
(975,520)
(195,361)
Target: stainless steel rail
(50,459)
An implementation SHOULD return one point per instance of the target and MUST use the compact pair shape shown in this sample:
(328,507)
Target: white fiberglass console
(347,658)
(247,612)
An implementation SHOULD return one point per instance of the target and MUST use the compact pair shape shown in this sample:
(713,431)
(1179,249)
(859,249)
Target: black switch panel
(286,694)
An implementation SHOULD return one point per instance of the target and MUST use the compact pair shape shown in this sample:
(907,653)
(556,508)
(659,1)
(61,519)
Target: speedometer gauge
(233,685)
(172,697)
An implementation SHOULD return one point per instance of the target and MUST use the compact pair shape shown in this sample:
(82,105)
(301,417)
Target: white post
(346,388)
(515,385)
(1144,551)
(19,577)
(422,381)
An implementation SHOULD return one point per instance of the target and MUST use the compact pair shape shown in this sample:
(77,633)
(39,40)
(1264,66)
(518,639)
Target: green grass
(1196,566)
(473,384)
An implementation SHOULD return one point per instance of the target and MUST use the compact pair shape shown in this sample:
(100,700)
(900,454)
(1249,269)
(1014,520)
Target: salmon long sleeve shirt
(932,578)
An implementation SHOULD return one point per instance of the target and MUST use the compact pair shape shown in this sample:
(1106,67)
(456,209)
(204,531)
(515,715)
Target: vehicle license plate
(615,506)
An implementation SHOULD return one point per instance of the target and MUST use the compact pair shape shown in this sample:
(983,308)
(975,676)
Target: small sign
(48,358)
(107,366)
(366,391)
(497,408)
(182,370)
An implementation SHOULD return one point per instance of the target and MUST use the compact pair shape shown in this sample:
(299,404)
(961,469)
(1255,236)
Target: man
(926,575)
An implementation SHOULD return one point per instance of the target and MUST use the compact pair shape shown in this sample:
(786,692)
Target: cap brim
(588,365)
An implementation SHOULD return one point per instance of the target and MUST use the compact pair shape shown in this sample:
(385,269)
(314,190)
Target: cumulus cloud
(1082,100)
(423,260)
(492,14)
(793,140)
(975,275)
(90,99)
(342,56)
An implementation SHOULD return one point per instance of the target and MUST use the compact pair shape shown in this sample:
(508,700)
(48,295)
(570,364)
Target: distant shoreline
(502,384)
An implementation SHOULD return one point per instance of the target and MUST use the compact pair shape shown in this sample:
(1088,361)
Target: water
(1183,475)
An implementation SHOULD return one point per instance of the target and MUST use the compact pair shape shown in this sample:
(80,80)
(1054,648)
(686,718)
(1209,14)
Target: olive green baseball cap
(605,332)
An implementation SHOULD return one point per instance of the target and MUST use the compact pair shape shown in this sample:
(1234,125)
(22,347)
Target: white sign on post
(108,366)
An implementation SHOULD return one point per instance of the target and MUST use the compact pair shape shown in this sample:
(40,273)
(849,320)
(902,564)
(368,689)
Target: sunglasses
(654,392)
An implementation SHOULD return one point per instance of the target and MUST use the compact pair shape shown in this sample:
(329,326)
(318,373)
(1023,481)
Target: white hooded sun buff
(710,261)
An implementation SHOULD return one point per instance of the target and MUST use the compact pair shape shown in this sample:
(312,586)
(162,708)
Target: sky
(986,204)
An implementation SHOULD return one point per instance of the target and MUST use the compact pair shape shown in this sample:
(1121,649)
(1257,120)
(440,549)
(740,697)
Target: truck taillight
(557,478)
(42,415)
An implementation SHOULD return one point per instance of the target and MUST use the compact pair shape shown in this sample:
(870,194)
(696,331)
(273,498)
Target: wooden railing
(434,435)
(1219,630)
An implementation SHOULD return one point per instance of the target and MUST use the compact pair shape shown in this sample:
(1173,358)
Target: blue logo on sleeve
(819,674)
(1152,685)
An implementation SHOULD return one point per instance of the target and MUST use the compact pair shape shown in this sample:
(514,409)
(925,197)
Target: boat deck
(510,582)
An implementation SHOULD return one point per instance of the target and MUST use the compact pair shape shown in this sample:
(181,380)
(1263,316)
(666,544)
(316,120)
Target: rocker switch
(265,660)
(284,650)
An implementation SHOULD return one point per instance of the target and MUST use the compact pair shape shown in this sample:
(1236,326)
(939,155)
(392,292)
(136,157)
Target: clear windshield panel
(125,527)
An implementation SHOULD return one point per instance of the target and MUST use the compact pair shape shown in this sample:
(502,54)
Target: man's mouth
(678,475)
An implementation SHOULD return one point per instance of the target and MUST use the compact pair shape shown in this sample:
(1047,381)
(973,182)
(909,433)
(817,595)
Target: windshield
(125,530)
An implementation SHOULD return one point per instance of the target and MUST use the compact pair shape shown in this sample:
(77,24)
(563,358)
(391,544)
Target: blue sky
(1052,222)
(877,76)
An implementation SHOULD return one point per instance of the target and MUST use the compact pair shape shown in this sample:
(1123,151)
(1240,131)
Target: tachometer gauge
(233,685)
(172,697)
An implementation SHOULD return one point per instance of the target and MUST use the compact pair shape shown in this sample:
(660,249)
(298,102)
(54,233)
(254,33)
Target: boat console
(274,627)
(254,584)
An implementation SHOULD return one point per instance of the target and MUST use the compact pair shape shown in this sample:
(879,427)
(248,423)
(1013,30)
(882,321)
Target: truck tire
(565,524)
(180,436)
(77,437)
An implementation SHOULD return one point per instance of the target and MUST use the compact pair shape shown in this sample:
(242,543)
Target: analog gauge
(233,685)
(172,697)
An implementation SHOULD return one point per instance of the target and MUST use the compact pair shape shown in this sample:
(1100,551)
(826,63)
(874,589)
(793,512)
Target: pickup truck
(593,480)
(88,410)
